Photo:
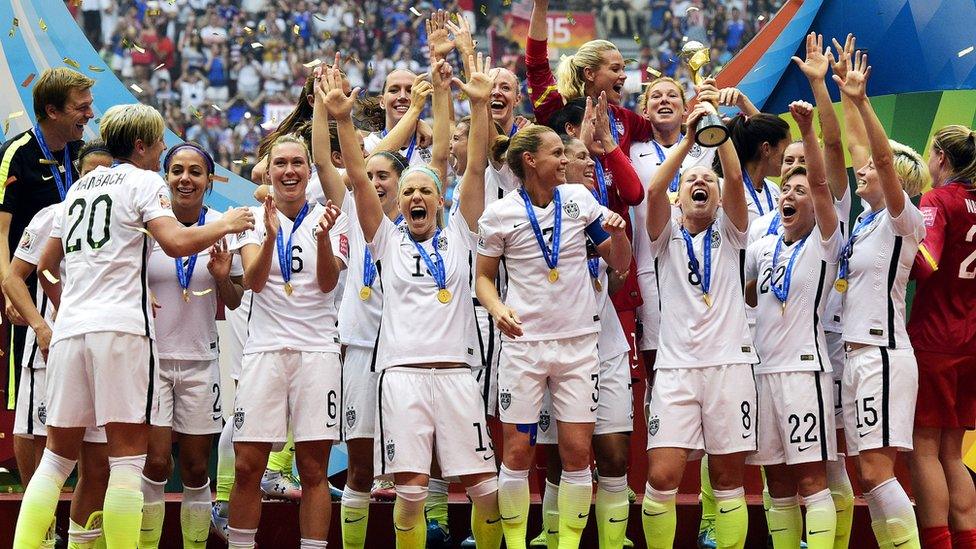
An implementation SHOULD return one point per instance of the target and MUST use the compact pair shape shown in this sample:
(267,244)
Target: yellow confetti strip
(238,162)
(653,72)
(136,88)
(326,35)
(248,30)
(197,114)
(203,292)
(15,114)
(154,12)
(484,9)
(570,18)
(16,22)
(50,277)
(93,68)
(159,66)
(296,30)
(46,162)
(27,81)
(361,22)
(262,28)
(144,231)
(637,38)
(966,51)
(414,11)
(312,64)
(42,24)
(71,62)
(506,2)
(220,179)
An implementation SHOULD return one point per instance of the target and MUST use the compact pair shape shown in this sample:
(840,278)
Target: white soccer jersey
(359,319)
(694,335)
(874,303)
(314,192)
(834,313)
(791,339)
(646,162)
(567,307)
(417,157)
(762,201)
(186,330)
(612,342)
(29,249)
(305,320)
(106,251)
(416,327)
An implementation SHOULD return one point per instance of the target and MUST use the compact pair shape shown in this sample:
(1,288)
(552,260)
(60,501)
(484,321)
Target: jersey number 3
(98,214)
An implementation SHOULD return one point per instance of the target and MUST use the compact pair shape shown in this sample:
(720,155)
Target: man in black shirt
(36,169)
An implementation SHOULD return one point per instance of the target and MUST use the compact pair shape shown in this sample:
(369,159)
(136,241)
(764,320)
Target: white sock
(354,499)
(897,510)
(313,544)
(550,508)
(238,538)
(195,512)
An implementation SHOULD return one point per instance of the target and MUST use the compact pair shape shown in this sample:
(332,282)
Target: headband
(206,156)
(392,157)
(95,150)
(424,170)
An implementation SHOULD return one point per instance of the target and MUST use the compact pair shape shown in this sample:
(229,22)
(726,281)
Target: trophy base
(711,135)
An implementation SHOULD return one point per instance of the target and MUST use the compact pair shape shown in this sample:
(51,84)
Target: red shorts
(946,398)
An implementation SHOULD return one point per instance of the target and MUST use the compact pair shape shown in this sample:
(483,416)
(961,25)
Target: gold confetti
(361,22)
(296,30)
(762,18)
(46,162)
(71,62)
(238,162)
(11,32)
(136,88)
(506,2)
(257,45)
(50,277)
(570,18)
(637,38)
(312,64)
(202,293)
(93,68)
(154,12)
(147,233)
(27,81)
(966,51)
(197,114)
(326,35)
(262,28)
(248,30)
(16,22)
(484,9)
(653,72)
(414,11)
(42,24)
(220,178)
(159,66)
(15,114)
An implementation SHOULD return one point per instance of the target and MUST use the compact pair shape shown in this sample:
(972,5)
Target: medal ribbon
(773,225)
(783,292)
(747,180)
(673,187)
(706,280)
(369,266)
(410,147)
(63,184)
(284,252)
(551,257)
(613,126)
(848,251)
(184,274)
(436,270)
(600,194)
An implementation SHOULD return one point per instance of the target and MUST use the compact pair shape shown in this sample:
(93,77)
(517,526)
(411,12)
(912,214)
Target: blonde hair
(123,125)
(958,143)
(911,169)
(289,138)
(509,149)
(53,88)
(642,100)
(569,74)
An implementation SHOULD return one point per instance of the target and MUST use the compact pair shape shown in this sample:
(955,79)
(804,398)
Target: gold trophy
(710,132)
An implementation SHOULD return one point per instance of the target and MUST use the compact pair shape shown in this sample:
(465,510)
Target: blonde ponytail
(570,80)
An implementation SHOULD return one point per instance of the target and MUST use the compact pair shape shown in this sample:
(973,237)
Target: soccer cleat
(706,538)
(541,540)
(383,490)
(628,543)
(469,543)
(218,520)
(335,493)
(276,485)
(631,495)
(438,537)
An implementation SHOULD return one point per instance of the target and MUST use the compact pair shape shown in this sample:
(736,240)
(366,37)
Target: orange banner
(566,29)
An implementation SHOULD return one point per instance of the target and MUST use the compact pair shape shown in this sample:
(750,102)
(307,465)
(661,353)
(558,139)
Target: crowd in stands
(217,69)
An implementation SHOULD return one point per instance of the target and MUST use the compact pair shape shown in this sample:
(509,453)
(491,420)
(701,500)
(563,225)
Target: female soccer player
(541,232)
(291,373)
(704,397)
(104,329)
(945,301)
(880,362)
(186,333)
(760,141)
(790,272)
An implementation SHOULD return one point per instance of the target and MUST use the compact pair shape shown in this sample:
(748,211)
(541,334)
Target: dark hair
(369,115)
(95,146)
(750,132)
(299,115)
(398,160)
(571,113)
(196,147)
(510,149)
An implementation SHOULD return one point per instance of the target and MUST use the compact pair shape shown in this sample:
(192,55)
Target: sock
(513,504)
(80,537)
(122,510)
(964,539)
(282,461)
(238,538)
(937,537)
(898,513)
(843,495)
(195,516)
(707,499)
(408,517)
(41,499)
(225,462)
(313,544)
(785,522)
(575,497)
(659,517)
(877,521)
(550,515)
(732,520)
(612,511)
(436,505)
(354,513)
(153,513)
(486,522)
(821,520)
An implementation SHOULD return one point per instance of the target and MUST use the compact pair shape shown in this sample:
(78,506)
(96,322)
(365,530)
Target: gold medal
(841,285)
(186,295)
(782,309)
(553,275)
(597,285)
(365,292)
(288,288)
(444,295)
(708,300)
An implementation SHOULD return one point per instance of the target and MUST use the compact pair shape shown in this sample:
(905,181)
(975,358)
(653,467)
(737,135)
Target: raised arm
(478,90)
(179,241)
(733,189)
(538,27)
(814,67)
(599,141)
(857,137)
(658,203)
(463,41)
(855,87)
(823,201)
(405,129)
(441,75)
(329,176)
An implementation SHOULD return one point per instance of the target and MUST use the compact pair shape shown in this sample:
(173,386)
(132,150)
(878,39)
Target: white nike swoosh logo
(47,178)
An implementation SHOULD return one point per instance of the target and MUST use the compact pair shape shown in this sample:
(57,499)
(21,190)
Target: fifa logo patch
(544,421)
(350,416)
(42,414)
(390,451)
(238,418)
(505,399)
(27,241)
(571,209)
(653,426)
(425,154)
(716,239)
(442,243)
(696,151)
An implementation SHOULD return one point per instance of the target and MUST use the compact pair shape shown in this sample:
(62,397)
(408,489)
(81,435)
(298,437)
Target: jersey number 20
(98,212)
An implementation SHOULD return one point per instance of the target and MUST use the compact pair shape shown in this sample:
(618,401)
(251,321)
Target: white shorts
(711,409)
(879,391)
(358,394)
(615,411)
(189,396)
(233,347)
(837,356)
(423,409)
(649,314)
(489,342)
(32,409)
(102,377)
(796,419)
(288,390)
(569,368)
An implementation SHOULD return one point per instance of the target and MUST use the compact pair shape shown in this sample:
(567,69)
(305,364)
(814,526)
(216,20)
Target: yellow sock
(408,517)
(550,515)
(821,520)
(903,533)
(575,496)
(151,530)
(354,514)
(122,511)
(659,518)
(612,511)
(195,516)
(435,508)
(225,462)
(41,500)
(782,518)
(732,520)
(843,495)
(282,461)
(486,521)
(707,499)
(513,505)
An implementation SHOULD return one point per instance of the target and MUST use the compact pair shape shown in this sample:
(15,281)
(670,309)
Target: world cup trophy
(710,131)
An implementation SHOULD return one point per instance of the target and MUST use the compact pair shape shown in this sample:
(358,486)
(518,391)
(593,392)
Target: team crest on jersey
(620,128)
(544,421)
(716,239)
(442,243)
(696,151)
(238,418)
(350,416)
(164,201)
(505,399)
(344,245)
(27,241)
(653,426)
(390,450)
(42,414)
(571,209)
(425,154)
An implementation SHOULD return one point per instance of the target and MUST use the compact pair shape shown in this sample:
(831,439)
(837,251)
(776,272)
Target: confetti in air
(27,81)
(136,88)
(966,51)
(50,277)
(414,11)
(312,64)
(71,63)
(42,24)
(93,68)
